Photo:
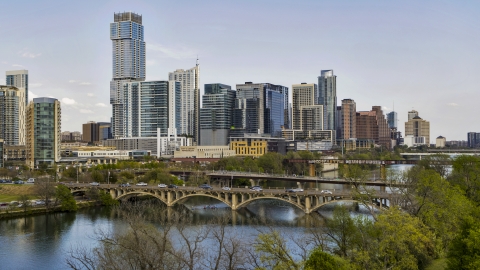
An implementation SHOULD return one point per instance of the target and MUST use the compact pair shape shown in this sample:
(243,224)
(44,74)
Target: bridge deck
(310,179)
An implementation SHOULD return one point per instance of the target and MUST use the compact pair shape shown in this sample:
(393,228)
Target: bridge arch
(246,202)
(201,195)
(316,207)
(140,193)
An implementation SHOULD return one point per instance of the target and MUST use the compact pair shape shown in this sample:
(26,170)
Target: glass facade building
(151,105)
(327,87)
(257,111)
(216,114)
(43,131)
(128,63)
(274,113)
(392,119)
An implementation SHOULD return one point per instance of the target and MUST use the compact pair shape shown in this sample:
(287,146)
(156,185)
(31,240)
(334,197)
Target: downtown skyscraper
(128,63)
(327,87)
(189,101)
(260,109)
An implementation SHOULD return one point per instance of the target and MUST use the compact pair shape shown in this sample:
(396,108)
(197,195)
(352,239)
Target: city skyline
(421,56)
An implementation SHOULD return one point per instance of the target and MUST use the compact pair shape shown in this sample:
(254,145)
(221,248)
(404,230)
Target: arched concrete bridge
(308,201)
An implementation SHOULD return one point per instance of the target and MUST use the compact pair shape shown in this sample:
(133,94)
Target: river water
(42,242)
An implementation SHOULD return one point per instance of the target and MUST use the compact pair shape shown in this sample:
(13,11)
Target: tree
(93,194)
(322,260)
(464,251)
(402,242)
(341,230)
(466,174)
(274,253)
(107,199)
(271,162)
(24,201)
(45,189)
(66,199)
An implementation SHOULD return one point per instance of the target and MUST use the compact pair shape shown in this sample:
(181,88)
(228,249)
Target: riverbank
(12,192)
(32,211)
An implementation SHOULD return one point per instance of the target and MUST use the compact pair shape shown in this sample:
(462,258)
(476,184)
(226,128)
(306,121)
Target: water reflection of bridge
(308,201)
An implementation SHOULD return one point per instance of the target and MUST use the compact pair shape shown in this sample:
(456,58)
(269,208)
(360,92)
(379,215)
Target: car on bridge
(205,186)
(142,184)
(256,188)
(172,186)
(226,188)
(293,190)
(94,184)
(124,185)
(162,185)
(326,191)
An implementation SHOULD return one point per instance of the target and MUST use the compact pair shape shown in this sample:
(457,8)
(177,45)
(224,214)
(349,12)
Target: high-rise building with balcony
(128,62)
(19,79)
(306,113)
(327,87)
(189,100)
(216,114)
(150,105)
(1,154)
(43,131)
(11,129)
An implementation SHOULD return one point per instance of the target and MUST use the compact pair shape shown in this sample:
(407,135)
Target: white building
(412,141)
(190,100)
(118,154)
(162,145)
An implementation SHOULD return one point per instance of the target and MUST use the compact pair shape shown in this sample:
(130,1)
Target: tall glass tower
(327,86)
(128,63)
(216,114)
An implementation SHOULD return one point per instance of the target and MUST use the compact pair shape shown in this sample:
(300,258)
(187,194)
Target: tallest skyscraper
(128,63)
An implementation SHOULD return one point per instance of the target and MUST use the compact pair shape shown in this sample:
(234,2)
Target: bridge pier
(113,193)
(308,205)
(169,198)
(383,171)
(234,202)
(311,169)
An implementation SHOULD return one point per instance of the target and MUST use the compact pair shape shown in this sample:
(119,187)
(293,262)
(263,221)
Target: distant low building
(159,146)
(441,142)
(412,141)
(457,144)
(354,144)
(118,154)
(15,152)
(213,151)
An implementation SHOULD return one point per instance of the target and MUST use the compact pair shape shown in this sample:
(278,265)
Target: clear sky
(423,55)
